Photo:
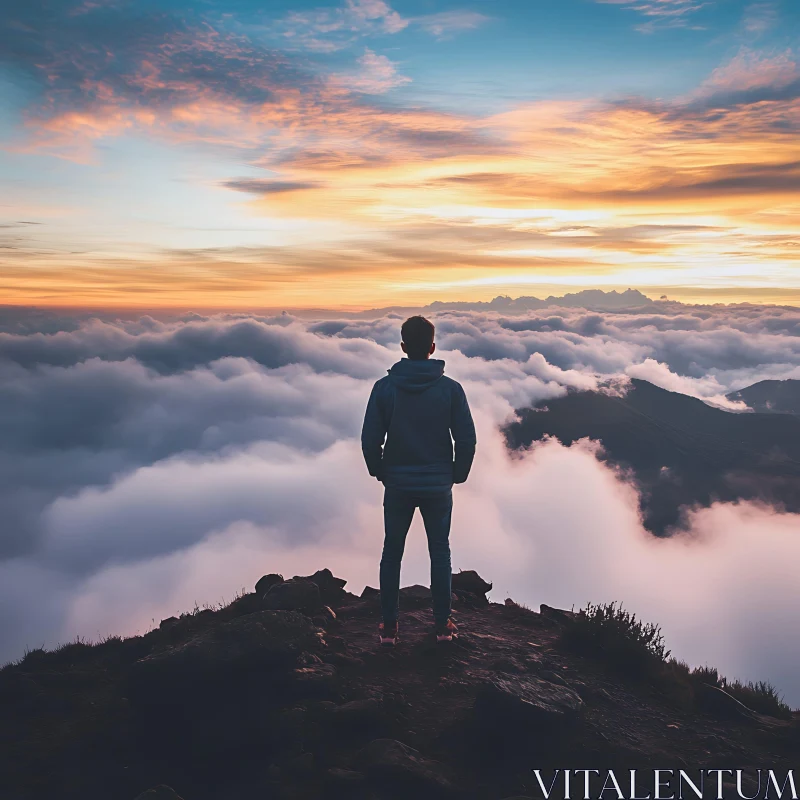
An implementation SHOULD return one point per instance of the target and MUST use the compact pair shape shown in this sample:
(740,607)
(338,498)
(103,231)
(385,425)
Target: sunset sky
(243,154)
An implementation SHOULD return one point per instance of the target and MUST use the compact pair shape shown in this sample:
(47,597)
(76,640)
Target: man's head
(417,333)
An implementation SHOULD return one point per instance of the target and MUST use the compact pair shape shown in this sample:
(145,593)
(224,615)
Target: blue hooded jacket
(411,416)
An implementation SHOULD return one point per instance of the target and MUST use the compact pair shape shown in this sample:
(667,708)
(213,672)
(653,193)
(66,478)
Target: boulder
(558,615)
(470,600)
(402,769)
(266,582)
(370,593)
(470,581)
(159,793)
(525,703)
(294,595)
(331,589)
(415,596)
(246,604)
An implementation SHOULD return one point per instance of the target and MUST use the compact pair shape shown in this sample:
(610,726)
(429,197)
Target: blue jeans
(398,510)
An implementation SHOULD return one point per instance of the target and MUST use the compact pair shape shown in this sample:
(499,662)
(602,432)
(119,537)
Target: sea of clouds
(148,465)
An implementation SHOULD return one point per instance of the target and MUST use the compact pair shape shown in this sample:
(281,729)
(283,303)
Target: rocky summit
(285,694)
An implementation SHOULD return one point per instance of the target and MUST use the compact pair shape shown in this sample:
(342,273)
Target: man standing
(414,416)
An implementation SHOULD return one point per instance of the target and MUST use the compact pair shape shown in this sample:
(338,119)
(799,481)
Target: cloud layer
(151,464)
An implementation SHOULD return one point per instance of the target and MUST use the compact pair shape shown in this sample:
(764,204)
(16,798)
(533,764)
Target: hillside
(771,397)
(682,452)
(284,694)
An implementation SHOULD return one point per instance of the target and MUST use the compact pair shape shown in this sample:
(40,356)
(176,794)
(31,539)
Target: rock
(470,600)
(159,793)
(553,677)
(470,581)
(325,617)
(415,596)
(319,679)
(422,592)
(293,595)
(718,702)
(558,615)
(306,659)
(370,593)
(169,622)
(331,589)
(397,766)
(345,777)
(246,604)
(266,582)
(525,703)
(244,647)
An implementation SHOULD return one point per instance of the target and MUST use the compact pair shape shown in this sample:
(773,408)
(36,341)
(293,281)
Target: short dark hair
(417,333)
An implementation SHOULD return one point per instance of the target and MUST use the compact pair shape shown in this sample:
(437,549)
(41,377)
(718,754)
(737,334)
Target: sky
(201,154)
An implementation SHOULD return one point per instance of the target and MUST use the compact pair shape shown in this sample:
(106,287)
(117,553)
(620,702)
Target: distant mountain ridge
(683,452)
(771,397)
(592,299)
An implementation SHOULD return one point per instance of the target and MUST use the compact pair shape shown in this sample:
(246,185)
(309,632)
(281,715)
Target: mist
(151,465)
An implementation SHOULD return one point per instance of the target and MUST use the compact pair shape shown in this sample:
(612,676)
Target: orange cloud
(700,189)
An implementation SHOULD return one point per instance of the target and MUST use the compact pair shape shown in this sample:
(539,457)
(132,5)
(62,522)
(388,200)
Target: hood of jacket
(412,375)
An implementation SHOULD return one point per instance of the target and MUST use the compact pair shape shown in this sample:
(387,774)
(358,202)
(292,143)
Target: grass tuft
(626,643)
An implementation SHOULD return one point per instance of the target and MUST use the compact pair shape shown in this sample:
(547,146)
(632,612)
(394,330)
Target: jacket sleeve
(373,433)
(463,431)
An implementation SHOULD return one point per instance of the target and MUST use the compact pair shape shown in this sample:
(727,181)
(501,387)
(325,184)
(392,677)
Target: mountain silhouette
(771,397)
(590,299)
(279,696)
(682,452)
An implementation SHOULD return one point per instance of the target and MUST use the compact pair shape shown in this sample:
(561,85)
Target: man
(413,417)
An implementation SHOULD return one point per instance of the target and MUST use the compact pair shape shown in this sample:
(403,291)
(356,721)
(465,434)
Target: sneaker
(447,632)
(387,631)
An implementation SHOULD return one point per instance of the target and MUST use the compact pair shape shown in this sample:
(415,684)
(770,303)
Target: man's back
(417,409)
